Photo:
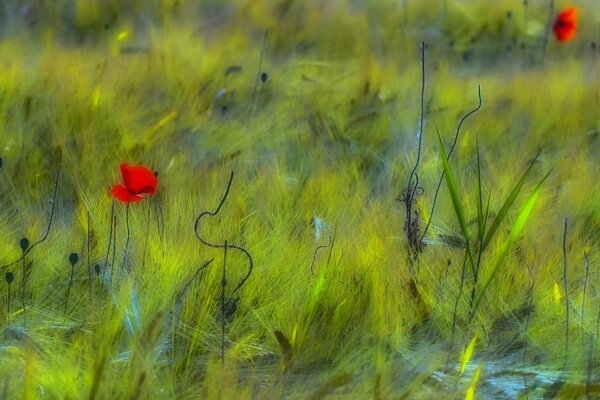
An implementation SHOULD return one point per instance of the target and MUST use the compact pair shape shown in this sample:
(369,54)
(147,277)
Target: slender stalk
(23,280)
(88,255)
(123,264)
(455,313)
(110,236)
(585,282)
(439,185)
(50,219)
(223,284)
(69,288)
(548,29)
(566,291)
(260,61)
(410,189)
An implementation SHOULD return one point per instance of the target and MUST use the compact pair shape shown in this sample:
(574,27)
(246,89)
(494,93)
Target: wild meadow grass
(277,258)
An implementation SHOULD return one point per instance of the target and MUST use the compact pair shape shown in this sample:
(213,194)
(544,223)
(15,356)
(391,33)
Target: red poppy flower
(137,182)
(565,26)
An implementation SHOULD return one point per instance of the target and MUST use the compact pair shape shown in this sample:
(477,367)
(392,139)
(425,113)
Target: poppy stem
(24,278)
(147,236)
(548,29)
(565,283)
(8,305)
(110,236)
(69,289)
(160,224)
(88,255)
(123,264)
(114,249)
(223,284)
(260,61)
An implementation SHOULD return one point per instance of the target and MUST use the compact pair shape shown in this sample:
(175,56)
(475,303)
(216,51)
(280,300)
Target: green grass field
(354,289)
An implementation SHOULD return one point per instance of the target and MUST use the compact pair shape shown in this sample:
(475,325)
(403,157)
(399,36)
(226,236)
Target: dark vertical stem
(456,135)
(69,288)
(566,291)
(260,61)
(8,306)
(123,264)
(114,249)
(223,284)
(410,190)
(455,313)
(147,236)
(23,288)
(548,29)
(526,326)
(110,236)
(585,283)
(160,224)
(88,256)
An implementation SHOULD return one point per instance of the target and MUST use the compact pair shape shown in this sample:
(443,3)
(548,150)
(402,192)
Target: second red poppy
(565,25)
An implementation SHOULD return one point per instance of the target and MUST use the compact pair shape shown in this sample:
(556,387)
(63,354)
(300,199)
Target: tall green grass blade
(512,237)
(480,218)
(507,205)
(458,206)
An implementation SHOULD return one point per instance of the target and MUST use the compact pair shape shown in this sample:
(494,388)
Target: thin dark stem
(548,29)
(526,327)
(147,237)
(260,61)
(410,190)
(160,224)
(217,246)
(124,262)
(110,236)
(50,219)
(312,264)
(585,283)
(8,306)
(223,284)
(182,292)
(566,291)
(88,255)
(23,280)
(455,313)
(69,288)
(437,189)
(114,250)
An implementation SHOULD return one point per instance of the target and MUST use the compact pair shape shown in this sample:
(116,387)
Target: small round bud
(24,243)
(97,269)
(73,258)
(9,276)
(264,76)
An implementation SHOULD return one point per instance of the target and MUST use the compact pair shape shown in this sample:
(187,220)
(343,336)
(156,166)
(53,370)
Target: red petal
(121,193)
(139,179)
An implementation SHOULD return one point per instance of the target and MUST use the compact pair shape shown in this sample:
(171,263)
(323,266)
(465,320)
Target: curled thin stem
(439,185)
(50,219)
(314,259)
(220,246)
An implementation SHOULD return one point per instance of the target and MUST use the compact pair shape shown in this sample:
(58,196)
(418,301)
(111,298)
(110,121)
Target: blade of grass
(458,206)
(480,220)
(512,237)
(507,205)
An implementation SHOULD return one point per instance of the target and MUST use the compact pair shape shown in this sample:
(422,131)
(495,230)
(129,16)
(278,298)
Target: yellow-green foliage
(321,150)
